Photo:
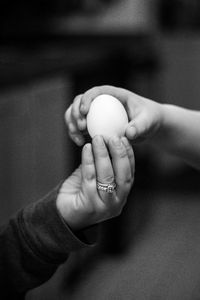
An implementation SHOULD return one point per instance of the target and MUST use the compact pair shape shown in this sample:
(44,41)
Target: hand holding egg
(107,168)
(106,117)
(94,111)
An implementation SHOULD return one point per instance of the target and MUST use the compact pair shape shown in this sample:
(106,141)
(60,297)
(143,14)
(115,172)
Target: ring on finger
(106,187)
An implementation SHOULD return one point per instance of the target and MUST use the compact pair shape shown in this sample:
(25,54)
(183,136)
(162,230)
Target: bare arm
(179,133)
(172,128)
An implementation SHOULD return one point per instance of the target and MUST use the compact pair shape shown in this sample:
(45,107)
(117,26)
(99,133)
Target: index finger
(90,95)
(123,165)
(103,165)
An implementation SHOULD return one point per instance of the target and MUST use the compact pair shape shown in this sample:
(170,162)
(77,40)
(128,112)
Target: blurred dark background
(52,50)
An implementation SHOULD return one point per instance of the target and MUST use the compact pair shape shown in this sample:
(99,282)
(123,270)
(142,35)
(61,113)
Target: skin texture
(171,128)
(79,201)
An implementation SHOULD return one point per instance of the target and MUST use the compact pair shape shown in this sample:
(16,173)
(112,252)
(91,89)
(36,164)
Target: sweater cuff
(47,233)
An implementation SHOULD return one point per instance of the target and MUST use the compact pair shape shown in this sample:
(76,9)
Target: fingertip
(82,124)
(86,100)
(79,140)
(83,109)
(87,155)
(131,132)
(87,147)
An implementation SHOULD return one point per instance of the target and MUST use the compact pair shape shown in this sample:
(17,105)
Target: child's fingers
(88,97)
(73,131)
(76,115)
(78,139)
(75,122)
(138,127)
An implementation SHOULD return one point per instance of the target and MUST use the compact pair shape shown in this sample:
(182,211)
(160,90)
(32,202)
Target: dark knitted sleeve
(32,246)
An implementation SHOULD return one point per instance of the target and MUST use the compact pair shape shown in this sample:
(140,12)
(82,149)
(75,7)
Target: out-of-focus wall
(35,151)
(180,76)
(120,16)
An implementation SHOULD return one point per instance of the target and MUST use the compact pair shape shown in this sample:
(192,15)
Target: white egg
(107,117)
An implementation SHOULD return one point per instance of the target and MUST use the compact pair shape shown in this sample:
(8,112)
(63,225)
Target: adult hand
(79,201)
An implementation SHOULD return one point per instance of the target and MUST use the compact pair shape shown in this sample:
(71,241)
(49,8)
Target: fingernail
(83,109)
(132,131)
(87,148)
(87,152)
(116,141)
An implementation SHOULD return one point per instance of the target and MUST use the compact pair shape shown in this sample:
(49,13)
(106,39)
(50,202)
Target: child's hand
(144,115)
(76,122)
(79,201)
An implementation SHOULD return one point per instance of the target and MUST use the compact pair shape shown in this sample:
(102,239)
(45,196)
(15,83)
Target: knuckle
(129,182)
(72,128)
(77,99)
(119,150)
(106,87)
(129,179)
(96,89)
(93,91)
(122,153)
(125,183)
(81,124)
(89,176)
(75,112)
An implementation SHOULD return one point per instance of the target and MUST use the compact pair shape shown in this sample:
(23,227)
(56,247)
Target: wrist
(160,128)
(76,218)
(168,117)
(163,115)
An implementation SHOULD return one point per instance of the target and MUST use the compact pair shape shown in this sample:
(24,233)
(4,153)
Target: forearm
(179,133)
(33,244)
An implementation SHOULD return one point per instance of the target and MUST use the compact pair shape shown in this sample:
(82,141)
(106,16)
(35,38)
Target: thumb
(137,127)
(73,181)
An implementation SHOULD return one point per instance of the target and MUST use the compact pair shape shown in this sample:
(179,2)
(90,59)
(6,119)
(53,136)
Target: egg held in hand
(107,117)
